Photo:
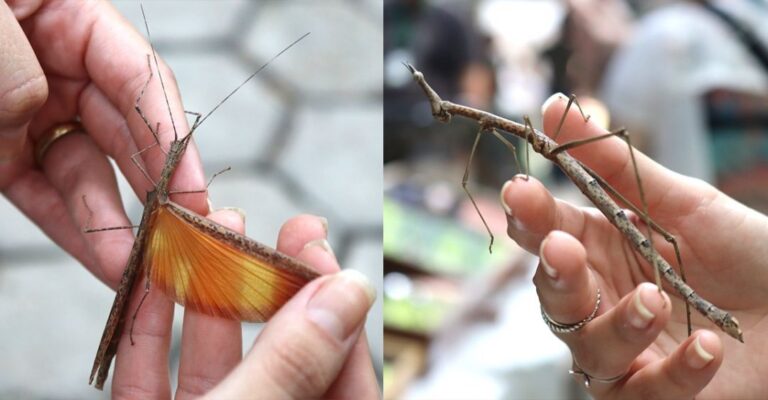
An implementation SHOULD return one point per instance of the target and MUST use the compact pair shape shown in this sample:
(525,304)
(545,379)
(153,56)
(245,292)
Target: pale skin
(638,329)
(63,59)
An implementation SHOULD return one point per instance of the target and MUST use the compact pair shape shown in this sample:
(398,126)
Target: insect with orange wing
(196,262)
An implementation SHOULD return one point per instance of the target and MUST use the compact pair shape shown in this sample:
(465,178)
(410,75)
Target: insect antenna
(248,79)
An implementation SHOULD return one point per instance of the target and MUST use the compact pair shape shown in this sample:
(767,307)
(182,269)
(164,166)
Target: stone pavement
(304,137)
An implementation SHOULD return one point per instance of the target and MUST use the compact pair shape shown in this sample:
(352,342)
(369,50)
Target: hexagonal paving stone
(342,55)
(337,155)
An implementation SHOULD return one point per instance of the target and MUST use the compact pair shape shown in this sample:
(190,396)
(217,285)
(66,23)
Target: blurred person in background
(443,43)
(691,85)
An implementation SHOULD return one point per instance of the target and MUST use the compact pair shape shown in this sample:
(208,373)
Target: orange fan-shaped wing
(213,270)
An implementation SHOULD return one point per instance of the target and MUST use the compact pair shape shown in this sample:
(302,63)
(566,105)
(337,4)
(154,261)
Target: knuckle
(132,390)
(297,367)
(20,102)
(194,385)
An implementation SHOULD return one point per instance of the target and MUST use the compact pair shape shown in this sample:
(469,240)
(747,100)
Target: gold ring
(52,135)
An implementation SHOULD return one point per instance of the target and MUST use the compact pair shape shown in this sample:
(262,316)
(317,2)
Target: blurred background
(304,136)
(689,80)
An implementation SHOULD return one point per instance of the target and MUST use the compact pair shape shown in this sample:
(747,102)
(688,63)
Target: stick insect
(195,261)
(594,187)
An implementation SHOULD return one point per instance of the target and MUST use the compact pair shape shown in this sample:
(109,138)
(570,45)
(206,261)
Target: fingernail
(340,305)
(321,243)
(698,358)
(555,97)
(210,204)
(551,272)
(324,223)
(641,316)
(504,204)
(238,210)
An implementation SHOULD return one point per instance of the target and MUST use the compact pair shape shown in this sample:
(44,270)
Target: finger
(24,8)
(23,88)
(77,169)
(305,345)
(112,134)
(608,157)
(357,378)
(683,374)
(210,347)
(568,293)
(532,213)
(105,49)
(566,288)
(122,77)
(627,329)
(300,230)
(141,367)
(33,195)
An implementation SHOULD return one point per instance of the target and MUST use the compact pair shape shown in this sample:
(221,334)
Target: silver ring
(570,328)
(588,379)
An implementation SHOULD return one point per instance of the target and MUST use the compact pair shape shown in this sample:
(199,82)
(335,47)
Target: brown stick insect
(194,261)
(593,186)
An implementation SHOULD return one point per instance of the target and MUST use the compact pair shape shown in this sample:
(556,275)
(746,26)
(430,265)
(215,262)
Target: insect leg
(88,229)
(135,160)
(510,146)
(141,302)
(138,108)
(206,186)
(197,120)
(571,100)
(465,179)
(528,134)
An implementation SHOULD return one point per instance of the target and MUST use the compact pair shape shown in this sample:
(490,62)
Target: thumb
(301,351)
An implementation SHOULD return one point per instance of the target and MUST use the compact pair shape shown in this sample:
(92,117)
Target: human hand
(77,58)
(312,347)
(636,334)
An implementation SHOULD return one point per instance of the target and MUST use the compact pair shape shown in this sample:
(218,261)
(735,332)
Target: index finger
(103,48)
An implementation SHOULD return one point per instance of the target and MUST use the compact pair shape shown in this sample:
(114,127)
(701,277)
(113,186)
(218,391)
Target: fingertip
(551,100)
(528,204)
(300,230)
(648,306)
(319,254)
(230,218)
(704,350)
(562,256)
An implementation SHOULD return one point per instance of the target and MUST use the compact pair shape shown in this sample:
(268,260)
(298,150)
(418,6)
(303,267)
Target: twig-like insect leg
(198,116)
(465,179)
(206,186)
(643,213)
(571,100)
(512,149)
(135,160)
(138,108)
(529,133)
(88,229)
(141,302)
